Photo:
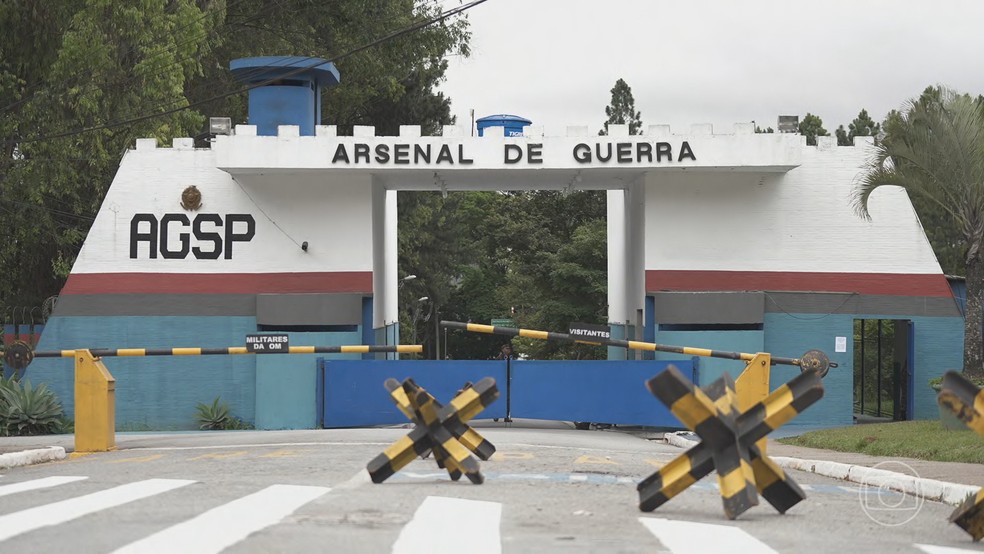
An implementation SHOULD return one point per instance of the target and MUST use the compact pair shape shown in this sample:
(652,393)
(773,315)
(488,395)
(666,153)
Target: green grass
(924,440)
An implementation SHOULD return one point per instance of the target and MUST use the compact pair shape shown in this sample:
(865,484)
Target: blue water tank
(512,124)
(289,91)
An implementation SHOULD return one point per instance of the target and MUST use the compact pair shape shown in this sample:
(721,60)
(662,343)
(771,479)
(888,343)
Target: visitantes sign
(267,343)
(588,331)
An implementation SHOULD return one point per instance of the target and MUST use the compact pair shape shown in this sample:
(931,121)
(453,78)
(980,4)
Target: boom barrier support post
(753,385)
(95,404)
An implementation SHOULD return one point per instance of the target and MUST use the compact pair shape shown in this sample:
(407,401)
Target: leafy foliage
(934,149)
(812,127)
(26,410)
(217,417)
(621,110)
(537,257)
(92,64)
(862,126)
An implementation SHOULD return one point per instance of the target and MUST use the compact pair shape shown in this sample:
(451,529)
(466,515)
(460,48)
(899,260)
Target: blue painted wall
(712,368)
(155,393)
(791,335)
(286,385)
(938,347)
(161,392)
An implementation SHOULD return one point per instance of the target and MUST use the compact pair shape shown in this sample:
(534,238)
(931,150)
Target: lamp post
(399,290)
(416,316)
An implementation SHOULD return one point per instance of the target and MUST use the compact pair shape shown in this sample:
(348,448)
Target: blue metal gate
(352,393)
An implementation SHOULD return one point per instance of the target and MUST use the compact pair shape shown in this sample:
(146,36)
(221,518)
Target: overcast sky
(712,61)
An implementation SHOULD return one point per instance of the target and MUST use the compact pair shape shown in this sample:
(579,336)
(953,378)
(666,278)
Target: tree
(767,130)
(81,64)
(812,127)
(941,230)
(862,126)
(388,85)
(105,66)
(935,151)
(621,110)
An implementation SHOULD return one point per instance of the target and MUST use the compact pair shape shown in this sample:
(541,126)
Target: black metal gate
(882,368)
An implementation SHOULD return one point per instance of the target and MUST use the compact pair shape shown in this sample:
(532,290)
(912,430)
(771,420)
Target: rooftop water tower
(512,124)
(289,91)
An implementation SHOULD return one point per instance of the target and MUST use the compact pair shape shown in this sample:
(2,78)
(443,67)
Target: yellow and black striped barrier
(442,430)
(728,436)
(95,387)
(814,360)
(966,400)
(18,355)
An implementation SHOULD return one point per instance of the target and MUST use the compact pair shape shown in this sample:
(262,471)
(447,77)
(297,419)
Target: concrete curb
(929,489)
(29,457)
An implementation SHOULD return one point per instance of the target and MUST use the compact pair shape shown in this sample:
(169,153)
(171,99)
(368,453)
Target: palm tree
(935,151)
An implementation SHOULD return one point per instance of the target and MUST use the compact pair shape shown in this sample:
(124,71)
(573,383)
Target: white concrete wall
(245,151)
(332,215)
(798,221)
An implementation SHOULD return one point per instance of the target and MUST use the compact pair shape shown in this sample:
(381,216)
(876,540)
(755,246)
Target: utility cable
(407,30)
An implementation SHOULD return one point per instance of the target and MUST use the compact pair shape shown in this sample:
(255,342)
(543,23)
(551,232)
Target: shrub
(26,410)
(216,417)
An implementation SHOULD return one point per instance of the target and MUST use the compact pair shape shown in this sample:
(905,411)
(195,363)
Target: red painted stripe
(218,283)
(893,284)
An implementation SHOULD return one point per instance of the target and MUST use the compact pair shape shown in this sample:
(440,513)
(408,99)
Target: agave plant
(26,410)
(213,417)
(216,417)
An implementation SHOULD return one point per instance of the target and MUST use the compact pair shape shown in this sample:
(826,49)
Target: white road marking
(225,525)
(685,537)
(277,444)
(452,525)
(933,549)
(31,519)
(356,481)
(37,484)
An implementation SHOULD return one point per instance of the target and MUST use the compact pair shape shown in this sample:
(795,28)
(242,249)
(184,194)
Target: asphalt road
(548,489)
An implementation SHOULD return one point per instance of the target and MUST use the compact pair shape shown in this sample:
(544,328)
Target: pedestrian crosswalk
(228,524)
(438,524)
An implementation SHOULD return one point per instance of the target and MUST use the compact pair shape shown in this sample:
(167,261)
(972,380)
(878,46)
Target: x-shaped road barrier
(442,430)
(728,438)
(966,400)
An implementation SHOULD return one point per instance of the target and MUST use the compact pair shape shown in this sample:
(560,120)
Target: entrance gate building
(734,241)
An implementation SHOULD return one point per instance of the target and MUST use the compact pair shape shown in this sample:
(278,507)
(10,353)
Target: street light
(416,315)
(405,279)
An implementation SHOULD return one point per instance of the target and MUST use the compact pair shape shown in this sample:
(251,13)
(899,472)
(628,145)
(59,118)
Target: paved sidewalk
(951,472)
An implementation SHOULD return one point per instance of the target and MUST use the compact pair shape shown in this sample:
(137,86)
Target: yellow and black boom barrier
(95,387)
(233,350)
(814,360)
(966,400)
